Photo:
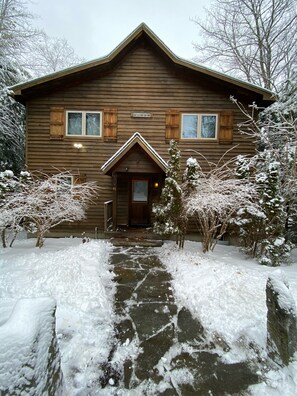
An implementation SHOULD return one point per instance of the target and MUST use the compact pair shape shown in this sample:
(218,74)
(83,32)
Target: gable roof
(134,139)
(23,90)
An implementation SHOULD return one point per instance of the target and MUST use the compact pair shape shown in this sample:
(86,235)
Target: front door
(139,202)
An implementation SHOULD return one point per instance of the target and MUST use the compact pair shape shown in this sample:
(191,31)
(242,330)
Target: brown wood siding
(142,82)
(123,199)
(137,162)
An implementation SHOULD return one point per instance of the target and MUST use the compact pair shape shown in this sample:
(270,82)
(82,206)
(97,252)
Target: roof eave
(142,28)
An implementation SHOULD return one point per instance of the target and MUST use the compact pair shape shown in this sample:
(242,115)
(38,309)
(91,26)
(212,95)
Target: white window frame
(60,189)
(199,126)
(84,123)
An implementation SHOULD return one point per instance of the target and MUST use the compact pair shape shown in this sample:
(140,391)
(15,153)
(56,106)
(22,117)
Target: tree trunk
(3,238)
(40,239)
(13,239)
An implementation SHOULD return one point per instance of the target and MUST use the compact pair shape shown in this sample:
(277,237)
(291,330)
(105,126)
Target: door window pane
(93,124)
(208,126)
(74,124)
(140,190)
(190,122)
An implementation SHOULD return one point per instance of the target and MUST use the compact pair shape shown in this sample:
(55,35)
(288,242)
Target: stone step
(136,242)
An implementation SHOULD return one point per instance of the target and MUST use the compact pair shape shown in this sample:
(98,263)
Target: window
(139,190)
(64,183)
(84,123)
(199,126)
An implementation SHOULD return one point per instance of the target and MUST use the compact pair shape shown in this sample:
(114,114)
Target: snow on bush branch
(43,202)
(269,236)
(216,199)
(212,197)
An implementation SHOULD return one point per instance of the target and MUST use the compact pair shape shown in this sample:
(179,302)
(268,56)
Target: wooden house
(111,120)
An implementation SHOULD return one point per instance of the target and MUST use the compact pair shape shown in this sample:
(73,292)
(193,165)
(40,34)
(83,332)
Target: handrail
(108,220)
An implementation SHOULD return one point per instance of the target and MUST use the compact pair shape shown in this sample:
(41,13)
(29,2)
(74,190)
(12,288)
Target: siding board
(141,82)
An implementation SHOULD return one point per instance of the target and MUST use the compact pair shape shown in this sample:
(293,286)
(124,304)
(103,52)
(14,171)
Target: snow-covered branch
(45,202)
(217,198)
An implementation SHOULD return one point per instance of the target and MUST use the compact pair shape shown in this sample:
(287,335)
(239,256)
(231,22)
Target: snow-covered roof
(142,29)
(134,139)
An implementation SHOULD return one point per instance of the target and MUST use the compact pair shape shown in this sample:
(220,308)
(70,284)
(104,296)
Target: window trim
(84,122)
(60,188)
(199,126)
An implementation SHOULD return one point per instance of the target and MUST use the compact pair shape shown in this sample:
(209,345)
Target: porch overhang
(109,165)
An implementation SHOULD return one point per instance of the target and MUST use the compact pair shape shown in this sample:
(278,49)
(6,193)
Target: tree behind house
(253,39)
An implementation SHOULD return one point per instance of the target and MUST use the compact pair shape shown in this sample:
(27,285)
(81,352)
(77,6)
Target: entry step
(136,242)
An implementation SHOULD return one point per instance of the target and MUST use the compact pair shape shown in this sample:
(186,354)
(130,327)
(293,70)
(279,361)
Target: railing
(108,222)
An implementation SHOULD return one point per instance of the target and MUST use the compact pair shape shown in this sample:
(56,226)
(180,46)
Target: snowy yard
(224,290)
(77,276)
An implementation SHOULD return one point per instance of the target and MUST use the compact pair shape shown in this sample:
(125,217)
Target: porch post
(114,199)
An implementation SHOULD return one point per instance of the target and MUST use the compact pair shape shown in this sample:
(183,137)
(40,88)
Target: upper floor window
(83,123)
(199,126)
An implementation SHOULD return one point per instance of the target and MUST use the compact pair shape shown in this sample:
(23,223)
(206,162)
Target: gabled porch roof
(134,139)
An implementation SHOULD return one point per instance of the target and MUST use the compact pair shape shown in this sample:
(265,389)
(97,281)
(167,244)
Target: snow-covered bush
(10,223)
(262,230)
(44,202)
(217,196)
(190,176)
(269,236)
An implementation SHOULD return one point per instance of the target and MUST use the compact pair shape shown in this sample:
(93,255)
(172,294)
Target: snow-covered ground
(225,290)
(77,276)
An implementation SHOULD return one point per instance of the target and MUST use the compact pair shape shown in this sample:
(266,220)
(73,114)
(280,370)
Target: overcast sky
(95,27)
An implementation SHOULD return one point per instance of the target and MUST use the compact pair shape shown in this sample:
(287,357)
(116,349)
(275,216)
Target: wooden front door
(139,202)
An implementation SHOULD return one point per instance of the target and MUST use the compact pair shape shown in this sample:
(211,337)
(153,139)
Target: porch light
(78,146)
(156,185)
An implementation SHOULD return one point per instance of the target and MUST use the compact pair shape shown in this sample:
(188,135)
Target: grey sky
(95,27)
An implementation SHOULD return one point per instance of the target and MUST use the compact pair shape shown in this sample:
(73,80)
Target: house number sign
(141,115)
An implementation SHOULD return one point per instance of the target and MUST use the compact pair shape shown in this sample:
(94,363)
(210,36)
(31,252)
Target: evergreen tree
(189,185)
(169,209)
(274,249)
(251,218)
(267,231)
(190,176)
(12,115)
(263,225)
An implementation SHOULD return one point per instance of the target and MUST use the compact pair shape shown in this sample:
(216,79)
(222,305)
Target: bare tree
(253,39)
(25,45)
(16,29)
(50,54)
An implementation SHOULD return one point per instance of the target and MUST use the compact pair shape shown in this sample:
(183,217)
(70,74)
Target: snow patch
(25,340)
(78,277)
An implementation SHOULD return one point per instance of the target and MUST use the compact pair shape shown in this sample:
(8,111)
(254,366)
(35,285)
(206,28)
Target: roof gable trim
(136,138)
(143,29)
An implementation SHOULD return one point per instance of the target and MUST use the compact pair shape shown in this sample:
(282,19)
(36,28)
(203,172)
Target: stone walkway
(167,352)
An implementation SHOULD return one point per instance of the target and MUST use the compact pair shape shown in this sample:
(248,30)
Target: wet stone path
(161,350)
